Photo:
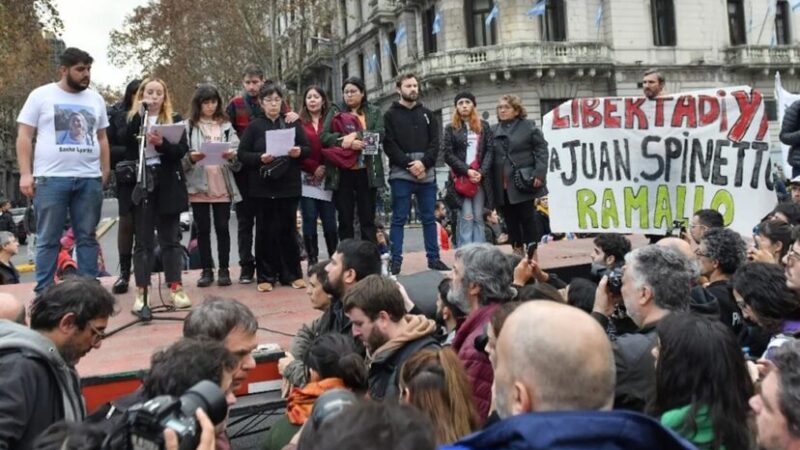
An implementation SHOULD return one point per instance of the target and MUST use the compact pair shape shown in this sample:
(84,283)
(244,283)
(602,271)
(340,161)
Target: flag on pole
(437,24)
(493,14)
(400,35)
(598,19)
(539,9)
(796,5)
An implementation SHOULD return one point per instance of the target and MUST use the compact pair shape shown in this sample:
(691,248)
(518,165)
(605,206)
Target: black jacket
(635,365)
(7,222)
(117,129)
(8,274)
(412,130)
(729,313)
(524,143)
(170,195)
(790,132)
(253,144)
(454,146)
(384,372)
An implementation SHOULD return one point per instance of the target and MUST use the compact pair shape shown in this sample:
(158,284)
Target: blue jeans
(401,205)
(470,220)
(311,209)
(53,198)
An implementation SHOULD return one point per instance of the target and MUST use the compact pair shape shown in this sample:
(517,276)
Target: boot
(312,249)
(331,241)
(224,277)
(121,285)
(206,278)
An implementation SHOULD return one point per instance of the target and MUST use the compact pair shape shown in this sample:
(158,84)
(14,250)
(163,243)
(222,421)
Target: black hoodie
(410,131)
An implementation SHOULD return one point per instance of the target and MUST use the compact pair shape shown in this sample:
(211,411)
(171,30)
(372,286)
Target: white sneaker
(179,298)
(138,303)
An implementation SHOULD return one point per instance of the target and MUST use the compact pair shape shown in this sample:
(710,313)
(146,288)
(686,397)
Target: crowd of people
(688,342)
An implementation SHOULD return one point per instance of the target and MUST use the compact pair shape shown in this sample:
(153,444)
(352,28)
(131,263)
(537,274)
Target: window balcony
(762,56)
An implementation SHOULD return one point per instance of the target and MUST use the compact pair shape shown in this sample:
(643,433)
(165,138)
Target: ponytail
(353,371)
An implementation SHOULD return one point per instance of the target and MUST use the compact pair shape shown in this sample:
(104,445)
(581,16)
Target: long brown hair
(474,120)
(165,115)
(438,386)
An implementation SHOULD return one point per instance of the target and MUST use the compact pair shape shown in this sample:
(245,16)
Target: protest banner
(633,165)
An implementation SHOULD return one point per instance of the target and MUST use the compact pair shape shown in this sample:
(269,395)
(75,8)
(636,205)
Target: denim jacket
(196,178)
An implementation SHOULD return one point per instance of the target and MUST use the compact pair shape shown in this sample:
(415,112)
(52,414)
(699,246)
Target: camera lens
(208,396)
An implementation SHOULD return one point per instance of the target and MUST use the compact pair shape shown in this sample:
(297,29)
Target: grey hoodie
(33,343)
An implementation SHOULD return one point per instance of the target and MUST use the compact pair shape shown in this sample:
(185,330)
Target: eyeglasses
(699,252)
(504,107)
(272,100)
(792,255)
(351,93)
(97,335)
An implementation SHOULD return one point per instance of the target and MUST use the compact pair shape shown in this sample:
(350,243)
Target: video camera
(144,423)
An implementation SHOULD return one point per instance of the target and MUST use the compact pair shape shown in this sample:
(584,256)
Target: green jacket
(704,435)
(374,163)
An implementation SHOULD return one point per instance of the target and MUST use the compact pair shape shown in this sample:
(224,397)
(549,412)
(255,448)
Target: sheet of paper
(279,142)
(213,152)
(310,189)
(171,132)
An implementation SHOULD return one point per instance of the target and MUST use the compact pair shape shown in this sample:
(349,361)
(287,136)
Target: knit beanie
(467,95)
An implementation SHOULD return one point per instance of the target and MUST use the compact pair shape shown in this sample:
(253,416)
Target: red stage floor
(123,355)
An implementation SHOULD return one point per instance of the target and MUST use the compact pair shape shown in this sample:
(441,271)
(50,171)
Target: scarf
(301,400)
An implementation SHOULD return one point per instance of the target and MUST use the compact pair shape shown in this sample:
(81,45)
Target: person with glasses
(720,253)
(354,181)
(762,292)
(702,221)
(772,239)
(40,384)
(274,181)
(518,172)
(9,246)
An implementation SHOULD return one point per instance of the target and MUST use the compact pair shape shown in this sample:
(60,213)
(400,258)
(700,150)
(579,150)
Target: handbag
(463,185)
(275,169)
(125,172)
(522,177)
(344,123)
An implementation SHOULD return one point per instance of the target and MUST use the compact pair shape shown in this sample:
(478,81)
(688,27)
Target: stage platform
(115,368)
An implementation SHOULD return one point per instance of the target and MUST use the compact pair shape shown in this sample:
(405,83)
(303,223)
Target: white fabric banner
(784,98)
(629,164)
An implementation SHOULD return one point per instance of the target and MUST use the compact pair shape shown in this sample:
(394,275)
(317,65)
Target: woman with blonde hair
(164,200)
(468,150)
(435,382)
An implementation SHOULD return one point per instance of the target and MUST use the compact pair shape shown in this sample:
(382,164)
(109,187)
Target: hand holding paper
(172,133)
(279,142)
(214,153)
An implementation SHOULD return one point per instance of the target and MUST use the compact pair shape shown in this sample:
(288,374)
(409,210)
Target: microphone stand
(140,195)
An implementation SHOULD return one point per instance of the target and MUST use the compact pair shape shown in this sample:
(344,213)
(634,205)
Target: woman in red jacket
(316,201)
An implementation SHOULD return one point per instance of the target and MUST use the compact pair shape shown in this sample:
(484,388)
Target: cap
(795,180)
(467,95)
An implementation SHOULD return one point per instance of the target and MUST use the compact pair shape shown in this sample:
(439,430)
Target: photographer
(608,258)
(655,281)
(172,372)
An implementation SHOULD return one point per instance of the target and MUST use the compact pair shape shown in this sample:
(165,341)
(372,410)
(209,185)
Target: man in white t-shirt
(67,171)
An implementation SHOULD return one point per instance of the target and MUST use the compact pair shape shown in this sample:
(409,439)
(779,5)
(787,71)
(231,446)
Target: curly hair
(726,247)
(763,288)
(666,271)
(515,102)
(613,244)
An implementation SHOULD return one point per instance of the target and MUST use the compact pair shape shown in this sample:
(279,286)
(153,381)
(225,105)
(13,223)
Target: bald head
(679,245)
(553,357)
(11,308)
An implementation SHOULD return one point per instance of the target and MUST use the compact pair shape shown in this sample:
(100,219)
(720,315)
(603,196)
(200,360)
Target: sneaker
(247,275)
(299,283)
(224,277)
(437,264)
(138,303)
(264,287)
(394,267)
(179,297)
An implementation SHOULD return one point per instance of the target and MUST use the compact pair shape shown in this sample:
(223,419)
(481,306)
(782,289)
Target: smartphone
(531,250)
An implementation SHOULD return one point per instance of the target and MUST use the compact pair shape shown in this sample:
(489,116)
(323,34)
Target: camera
(145,422)
(677,229)
(615,280)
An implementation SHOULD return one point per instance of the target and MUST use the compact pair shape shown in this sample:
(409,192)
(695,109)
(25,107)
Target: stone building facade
(573,50)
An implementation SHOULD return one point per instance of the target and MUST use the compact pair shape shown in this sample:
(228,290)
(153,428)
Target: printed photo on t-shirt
(75,125)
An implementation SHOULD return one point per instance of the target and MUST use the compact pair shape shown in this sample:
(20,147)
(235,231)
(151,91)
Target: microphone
(144,107)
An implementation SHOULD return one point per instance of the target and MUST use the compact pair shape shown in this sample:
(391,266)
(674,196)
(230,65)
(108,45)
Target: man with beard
(377,311)
(653,84)
(353,261)
(481,283)
(656,280)
(40,385)
(777,404)
(68,177)
(554,387)
(412,145)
